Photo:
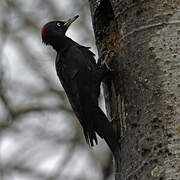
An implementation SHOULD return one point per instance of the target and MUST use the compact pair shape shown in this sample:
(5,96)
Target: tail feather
(104,129)
(117,157)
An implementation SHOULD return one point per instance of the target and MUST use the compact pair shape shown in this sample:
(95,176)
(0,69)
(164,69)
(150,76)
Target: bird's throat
(62,44)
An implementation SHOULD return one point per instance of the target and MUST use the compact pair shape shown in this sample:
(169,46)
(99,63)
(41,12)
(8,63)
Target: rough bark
(143,94)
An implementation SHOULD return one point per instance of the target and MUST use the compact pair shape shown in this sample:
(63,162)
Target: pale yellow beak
(70,21)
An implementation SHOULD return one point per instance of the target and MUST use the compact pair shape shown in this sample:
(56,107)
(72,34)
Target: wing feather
(76,78)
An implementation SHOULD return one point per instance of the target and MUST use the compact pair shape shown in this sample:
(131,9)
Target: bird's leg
(107,66)
(101,72)
(104,66)
(109,60)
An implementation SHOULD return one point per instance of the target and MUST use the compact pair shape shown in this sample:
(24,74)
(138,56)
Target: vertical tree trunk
(143,95)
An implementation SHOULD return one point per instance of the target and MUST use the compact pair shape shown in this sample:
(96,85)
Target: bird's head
(53,32)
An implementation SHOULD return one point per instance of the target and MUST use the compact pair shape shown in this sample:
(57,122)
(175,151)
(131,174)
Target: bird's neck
(63,43)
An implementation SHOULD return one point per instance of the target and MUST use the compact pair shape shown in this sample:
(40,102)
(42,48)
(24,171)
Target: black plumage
(80,77)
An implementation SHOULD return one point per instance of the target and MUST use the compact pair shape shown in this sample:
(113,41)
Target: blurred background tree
(40,137)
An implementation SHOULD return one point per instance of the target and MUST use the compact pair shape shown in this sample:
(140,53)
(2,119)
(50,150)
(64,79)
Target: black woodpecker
(80,77)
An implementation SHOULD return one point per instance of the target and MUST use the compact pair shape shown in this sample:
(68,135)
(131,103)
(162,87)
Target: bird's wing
(77,77)
(84,104)
(89,55)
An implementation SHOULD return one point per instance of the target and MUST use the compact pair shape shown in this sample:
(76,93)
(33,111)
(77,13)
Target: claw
(104,60)
(107,66)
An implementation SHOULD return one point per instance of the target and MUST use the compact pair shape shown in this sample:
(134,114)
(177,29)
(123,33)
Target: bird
(81,77)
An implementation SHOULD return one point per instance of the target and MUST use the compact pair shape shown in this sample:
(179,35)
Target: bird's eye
(59,24)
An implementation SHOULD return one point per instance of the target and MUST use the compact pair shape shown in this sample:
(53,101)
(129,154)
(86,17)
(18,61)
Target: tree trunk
(140,39)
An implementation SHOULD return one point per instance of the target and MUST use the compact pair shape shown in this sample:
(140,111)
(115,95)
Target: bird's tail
(105,130)
(102,126)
